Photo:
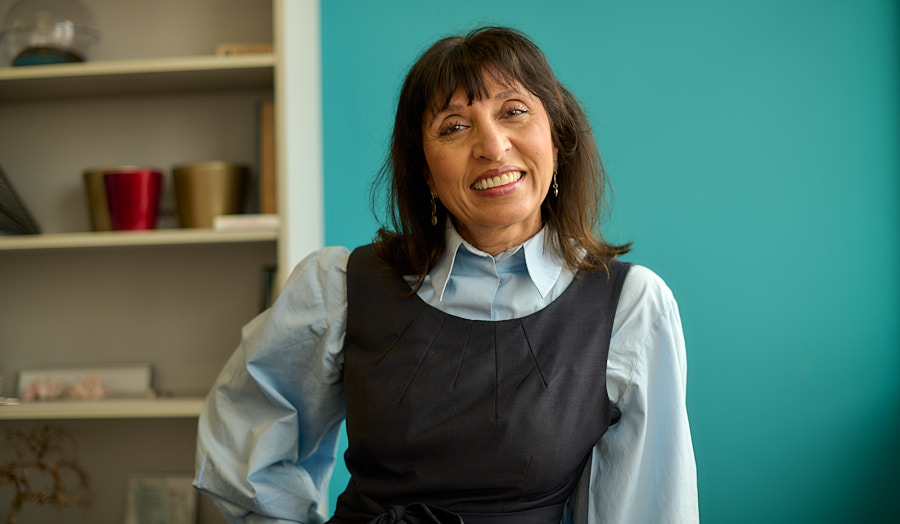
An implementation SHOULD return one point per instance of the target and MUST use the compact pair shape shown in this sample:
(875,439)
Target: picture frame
(161,498)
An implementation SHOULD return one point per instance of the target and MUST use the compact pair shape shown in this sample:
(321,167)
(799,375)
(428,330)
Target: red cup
(133,198)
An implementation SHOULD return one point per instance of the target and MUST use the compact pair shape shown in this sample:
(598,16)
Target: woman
(494,361)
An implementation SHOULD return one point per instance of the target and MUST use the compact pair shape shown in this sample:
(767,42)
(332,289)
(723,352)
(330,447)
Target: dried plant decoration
(42,465)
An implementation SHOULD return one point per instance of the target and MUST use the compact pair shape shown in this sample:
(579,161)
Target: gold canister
(95,189)
(204,190)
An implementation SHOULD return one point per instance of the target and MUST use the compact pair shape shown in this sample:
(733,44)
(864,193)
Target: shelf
(158,237)
(192,73)
(187,407)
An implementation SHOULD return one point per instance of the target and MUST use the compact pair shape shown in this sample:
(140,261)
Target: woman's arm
(268,432)
(643,470)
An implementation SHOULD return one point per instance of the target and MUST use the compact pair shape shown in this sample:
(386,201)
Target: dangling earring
(433,211)
(555,185)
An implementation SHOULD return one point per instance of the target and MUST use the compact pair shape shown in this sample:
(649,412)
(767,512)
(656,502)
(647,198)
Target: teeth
(502,180)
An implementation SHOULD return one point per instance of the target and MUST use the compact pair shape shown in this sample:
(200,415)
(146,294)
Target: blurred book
(14,216)
(267,189)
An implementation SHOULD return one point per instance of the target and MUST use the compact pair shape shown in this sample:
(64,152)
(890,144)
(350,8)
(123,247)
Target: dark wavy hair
(409,241)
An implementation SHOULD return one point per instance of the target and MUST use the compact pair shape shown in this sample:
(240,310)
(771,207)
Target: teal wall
(754,150)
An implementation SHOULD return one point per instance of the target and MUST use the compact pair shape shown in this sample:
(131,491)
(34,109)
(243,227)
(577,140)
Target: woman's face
(491,164)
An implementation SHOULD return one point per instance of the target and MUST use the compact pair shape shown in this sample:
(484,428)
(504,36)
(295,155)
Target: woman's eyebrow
(437,113)
(450,107)
(510,92)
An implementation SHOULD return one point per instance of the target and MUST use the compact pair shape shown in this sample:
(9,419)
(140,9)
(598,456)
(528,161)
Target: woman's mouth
(497,181)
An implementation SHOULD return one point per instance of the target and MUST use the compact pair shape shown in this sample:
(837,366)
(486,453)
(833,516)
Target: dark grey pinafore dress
(455,420)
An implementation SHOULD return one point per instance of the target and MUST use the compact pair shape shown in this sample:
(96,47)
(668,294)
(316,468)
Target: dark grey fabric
(493,421)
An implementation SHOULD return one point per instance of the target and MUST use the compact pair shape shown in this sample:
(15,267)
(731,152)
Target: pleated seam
(422,360)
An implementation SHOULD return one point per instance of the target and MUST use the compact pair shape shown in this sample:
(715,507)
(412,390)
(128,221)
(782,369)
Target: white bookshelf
(176,298)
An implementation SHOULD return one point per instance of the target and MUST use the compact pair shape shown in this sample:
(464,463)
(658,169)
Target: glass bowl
(47,32)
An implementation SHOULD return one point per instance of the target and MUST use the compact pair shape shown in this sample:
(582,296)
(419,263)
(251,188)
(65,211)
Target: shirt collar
(544,265)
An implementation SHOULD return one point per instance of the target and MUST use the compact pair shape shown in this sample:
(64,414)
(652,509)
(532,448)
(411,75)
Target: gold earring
(433,211)
(555,185)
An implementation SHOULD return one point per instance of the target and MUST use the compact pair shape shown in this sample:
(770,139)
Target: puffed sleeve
(643,470)
(267,436)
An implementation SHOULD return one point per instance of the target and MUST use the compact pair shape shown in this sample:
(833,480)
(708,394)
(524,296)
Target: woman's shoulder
(325,268)
(645,290)
(331,258)
(647,321)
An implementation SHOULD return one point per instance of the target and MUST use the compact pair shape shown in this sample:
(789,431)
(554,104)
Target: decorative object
(161,499)
(14,216)
(133,195)
(87,388)
(433,211)
(77,383)
(204,190)
(43,468)
(39,32)
(95,188)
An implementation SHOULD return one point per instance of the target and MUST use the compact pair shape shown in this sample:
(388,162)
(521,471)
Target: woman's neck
(496,240)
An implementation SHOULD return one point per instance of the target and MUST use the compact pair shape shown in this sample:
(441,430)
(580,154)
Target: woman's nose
(491,142)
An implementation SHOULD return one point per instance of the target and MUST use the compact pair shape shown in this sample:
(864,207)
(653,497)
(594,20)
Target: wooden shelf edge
(138,66)
(186,407)
(158,237)
(129,77)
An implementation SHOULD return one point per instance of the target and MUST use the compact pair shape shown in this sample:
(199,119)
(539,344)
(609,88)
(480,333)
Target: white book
(246,222)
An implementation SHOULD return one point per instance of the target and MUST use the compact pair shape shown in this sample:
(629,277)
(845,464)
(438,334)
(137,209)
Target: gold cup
(204,190)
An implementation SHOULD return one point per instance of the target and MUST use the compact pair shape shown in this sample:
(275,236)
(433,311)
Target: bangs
(467,62)
(470,78)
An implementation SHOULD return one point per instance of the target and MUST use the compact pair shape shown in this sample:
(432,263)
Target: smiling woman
(494,362)
(490,162)
(504,79)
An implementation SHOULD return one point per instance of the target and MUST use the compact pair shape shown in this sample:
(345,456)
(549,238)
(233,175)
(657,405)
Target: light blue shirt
(268,432)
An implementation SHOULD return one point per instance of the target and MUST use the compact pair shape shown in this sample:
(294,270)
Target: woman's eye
(450,128)
(516,111)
